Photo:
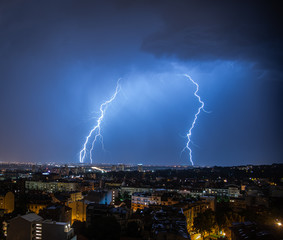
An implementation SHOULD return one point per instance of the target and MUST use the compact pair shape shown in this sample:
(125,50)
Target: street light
(279,224)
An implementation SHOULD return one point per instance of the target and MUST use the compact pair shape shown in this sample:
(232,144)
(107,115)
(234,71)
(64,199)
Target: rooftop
(31,217)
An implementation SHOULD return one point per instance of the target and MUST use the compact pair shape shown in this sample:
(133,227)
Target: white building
(52,186)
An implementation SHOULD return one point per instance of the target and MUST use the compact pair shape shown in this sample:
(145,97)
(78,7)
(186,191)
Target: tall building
(34,227)
(7,201)
(121,167)
(79,210)
(140,168)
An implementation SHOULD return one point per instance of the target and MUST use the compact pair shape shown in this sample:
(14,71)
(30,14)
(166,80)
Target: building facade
(78,210)
(7,201)
(34,227)
(52,186)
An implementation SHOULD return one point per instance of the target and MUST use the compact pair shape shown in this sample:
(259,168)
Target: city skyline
(59,61)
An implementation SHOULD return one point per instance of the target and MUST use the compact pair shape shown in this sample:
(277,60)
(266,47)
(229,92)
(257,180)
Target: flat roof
(31,217)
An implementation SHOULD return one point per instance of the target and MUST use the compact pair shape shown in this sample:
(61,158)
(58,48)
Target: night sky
(59,60)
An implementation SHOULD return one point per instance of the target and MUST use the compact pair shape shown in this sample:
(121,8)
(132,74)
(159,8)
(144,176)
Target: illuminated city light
(99,169)
(201,108)
(97,127)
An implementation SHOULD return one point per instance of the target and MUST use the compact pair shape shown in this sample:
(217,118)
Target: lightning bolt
(97,128)
(201,108)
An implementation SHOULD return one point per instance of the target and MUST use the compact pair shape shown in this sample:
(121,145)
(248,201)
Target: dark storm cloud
(66,28)
(220,30)
(59,60)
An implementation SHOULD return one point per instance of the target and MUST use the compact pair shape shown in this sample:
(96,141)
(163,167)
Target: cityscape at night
(146,120)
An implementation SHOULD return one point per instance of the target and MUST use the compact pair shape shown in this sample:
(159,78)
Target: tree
(205,222)
(221,217)
(199,225)
(225,216)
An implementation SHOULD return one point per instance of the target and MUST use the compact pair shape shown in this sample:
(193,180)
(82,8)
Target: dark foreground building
(34,227)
